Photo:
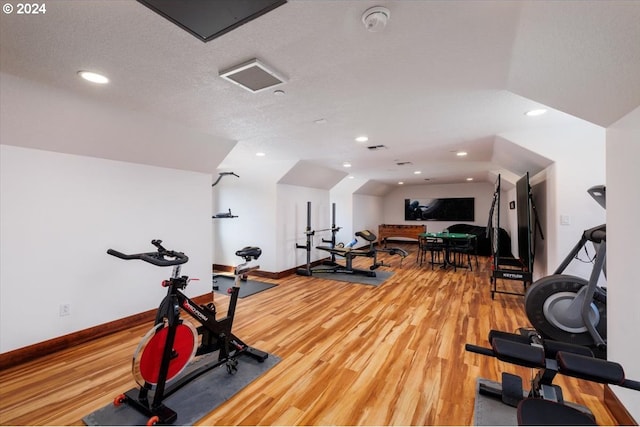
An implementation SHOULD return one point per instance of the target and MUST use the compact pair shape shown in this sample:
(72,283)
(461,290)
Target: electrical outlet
(65,310)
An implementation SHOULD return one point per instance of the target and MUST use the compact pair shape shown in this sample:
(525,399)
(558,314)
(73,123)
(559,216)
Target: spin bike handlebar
(161,258)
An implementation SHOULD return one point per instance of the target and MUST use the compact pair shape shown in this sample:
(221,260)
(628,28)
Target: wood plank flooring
(351,355)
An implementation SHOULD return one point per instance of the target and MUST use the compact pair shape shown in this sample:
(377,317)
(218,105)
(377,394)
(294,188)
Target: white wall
(394,202)
(292,222)
(59,214)
(273,215)
(344,214)
(252,200)
(83,204)
(342,195)
(579,155)
(623,252)
(368,213)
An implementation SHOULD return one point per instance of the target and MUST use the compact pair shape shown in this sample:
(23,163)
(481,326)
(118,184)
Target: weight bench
(349,254)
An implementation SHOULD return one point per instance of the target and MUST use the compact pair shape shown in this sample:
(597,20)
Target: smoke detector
(375,18)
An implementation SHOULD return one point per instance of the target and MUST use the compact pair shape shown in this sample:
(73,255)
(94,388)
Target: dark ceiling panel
(208,19)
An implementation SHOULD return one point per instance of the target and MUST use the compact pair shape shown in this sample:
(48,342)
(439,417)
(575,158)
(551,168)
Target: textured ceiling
(443,76)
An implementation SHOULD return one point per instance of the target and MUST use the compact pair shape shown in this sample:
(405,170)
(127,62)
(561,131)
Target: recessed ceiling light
(538,112)
(469,179)
(400,183)
(362,138)
(461,153)
(278,92)
(351,176)
(417,172)
(93,77)
(261,154)
(346,164)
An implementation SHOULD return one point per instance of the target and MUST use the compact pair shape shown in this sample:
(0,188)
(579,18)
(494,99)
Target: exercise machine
(544,403)
(349,252)
(309,233)
(222,174)
(173,343)
(568,308)
(506,267)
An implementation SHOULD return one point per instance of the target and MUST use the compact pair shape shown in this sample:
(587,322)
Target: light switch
(565,220)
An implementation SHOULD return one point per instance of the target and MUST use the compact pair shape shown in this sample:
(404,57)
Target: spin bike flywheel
(549,304)
(148,356)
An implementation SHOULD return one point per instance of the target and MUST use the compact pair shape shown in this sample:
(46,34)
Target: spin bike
(568,308)
(169,347)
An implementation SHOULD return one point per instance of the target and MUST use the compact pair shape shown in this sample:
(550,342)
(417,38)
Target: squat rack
(306,271)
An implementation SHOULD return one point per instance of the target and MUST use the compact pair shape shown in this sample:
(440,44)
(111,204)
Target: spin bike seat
(249,252)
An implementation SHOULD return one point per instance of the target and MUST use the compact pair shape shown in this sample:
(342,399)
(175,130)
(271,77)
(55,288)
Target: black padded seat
(540,412)
(249,252)
(367,235)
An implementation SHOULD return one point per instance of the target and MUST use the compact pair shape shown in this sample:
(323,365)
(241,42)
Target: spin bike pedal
(232,365)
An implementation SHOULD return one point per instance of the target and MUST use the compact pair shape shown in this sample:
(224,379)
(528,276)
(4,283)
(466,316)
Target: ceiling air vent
(376,147)
(254,76)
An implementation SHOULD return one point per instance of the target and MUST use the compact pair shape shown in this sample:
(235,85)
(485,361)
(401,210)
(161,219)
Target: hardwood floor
(351,355)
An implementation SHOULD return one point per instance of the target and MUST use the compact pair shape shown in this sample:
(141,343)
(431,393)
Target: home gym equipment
(169,347)
(348,252)
(221,174)
(225,215)
(544,403)
(511,268)
(309,233)
(569,308)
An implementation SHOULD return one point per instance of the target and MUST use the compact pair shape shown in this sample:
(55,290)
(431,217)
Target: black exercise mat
(194,400)
(247,287)
(381,276)
(489,411)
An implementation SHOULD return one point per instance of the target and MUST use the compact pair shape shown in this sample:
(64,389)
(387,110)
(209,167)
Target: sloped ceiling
(579,57)
(443,76)
(306,174)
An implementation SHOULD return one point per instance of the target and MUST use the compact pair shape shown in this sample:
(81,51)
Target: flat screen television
(441,209)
